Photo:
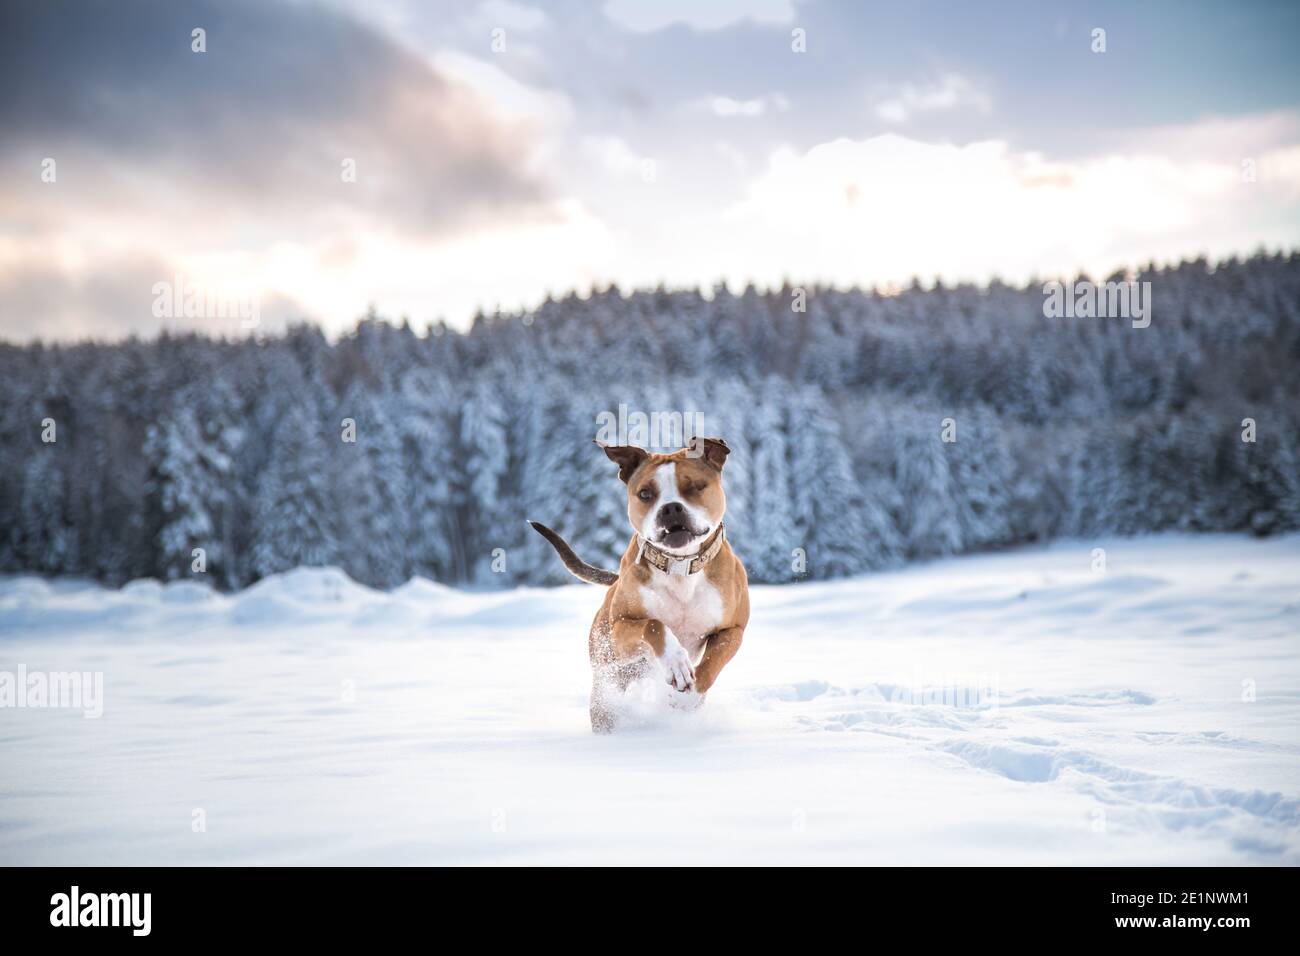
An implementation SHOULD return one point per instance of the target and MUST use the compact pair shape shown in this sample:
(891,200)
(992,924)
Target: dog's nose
(673,509)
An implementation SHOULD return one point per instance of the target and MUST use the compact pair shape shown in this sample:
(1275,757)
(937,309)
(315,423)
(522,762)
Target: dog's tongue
(676,536)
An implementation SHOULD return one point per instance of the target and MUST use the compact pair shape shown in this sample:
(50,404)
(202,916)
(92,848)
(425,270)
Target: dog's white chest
(687,604)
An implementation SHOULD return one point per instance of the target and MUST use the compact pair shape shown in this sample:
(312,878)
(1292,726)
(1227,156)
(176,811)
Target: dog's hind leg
(602,718)
(608,684)
(602,692)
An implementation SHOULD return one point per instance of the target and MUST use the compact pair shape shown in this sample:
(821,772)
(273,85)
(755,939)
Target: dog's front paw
(677,666)
(687,700)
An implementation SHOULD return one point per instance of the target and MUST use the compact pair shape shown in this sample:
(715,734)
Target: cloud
(112,298)
(543,113)
(950,92)
(614,155)
(284,94)
(890,207)
(641,17)
(230,164)
(489,179)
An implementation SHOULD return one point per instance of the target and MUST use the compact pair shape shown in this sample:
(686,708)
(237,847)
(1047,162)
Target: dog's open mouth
(676,535)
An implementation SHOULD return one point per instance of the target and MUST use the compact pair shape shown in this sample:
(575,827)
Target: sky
(434,159)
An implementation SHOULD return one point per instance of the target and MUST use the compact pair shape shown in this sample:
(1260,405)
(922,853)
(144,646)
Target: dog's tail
(577,567)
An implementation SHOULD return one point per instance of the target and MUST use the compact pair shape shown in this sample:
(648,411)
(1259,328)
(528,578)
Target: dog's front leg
(633,638)
(720,647)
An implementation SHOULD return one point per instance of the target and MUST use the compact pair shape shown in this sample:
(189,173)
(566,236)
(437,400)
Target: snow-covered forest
(836,415)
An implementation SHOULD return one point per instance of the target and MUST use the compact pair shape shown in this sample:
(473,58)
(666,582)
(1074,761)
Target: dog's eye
(645,494)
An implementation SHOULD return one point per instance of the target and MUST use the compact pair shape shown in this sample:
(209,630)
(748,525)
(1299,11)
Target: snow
(312,720)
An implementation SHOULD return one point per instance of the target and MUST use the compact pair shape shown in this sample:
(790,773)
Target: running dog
(680,598)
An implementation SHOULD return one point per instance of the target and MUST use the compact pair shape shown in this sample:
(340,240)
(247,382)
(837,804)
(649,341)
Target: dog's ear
(627,457)
(712,450)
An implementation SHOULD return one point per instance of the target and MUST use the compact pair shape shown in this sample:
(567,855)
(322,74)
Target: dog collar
(690,564)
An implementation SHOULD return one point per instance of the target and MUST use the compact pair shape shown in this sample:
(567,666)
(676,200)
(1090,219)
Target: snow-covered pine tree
(1095,500)
(729,403)
(554,448)
(773,534)
(47,543)
(220,414)
(371,490)
(429,442)
(294,522)
(186,488)
(845,532)
(485,461)
(927,517)
(983,476)
(595,519)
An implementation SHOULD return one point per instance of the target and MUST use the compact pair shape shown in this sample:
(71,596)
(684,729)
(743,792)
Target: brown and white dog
(680,597)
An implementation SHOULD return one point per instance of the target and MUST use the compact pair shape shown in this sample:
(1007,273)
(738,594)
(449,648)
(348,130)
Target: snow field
(1008,708)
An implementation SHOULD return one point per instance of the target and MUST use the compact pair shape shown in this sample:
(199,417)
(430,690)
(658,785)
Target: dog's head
(674,501)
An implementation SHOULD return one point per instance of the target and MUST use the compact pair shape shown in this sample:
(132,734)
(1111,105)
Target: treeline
(837,417)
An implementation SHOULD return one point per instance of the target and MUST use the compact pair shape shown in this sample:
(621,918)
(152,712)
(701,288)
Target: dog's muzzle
(674,526)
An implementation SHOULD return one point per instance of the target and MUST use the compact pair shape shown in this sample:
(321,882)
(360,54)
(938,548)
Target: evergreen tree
(927,499)
(771,519)
(46,542)
(485,490)
(845,530)
(186,487)
(371,491)
(294,521)
(1065,427)
(429,452)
